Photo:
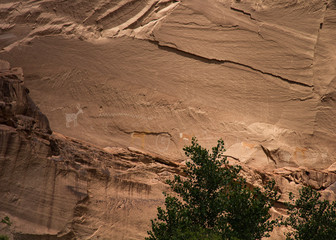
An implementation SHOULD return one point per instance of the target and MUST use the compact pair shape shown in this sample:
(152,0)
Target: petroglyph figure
(141,136)
(72,117)
(185,138)
(162,142)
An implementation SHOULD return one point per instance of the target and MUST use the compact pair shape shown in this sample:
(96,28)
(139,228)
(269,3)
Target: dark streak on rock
(243,12)
(52,201)
(326,5)
(220,62)
(268,154)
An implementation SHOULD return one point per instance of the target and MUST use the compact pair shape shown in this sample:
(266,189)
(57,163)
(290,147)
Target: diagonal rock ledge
(176,50)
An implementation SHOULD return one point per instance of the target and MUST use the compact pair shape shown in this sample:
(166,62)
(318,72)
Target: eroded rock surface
(54,187)
(57,187)
(140,78)
(151,74)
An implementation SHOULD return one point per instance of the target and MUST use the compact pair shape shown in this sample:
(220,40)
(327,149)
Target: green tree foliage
(311,218)
(213,201)
(6,221)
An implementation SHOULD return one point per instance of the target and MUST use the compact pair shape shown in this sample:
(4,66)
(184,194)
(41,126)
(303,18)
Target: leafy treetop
(213,201)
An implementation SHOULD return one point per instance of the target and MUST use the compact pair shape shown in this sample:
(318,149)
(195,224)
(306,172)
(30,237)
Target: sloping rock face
(149,75)
(17,108)
(53,187)
(57,187)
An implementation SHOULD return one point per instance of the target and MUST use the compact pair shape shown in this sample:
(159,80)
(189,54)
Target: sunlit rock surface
(149,75)
(55,187)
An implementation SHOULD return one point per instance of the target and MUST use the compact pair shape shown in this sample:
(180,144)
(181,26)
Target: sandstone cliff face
(149,75)
(54,187)
(17,108)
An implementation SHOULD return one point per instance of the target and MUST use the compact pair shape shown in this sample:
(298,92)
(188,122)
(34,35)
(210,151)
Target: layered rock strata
(131,82)
(151,74)
(53,187)
(57,187)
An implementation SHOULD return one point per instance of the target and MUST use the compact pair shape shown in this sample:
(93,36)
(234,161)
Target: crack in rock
(326,5)
(220,62)
(243,12)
